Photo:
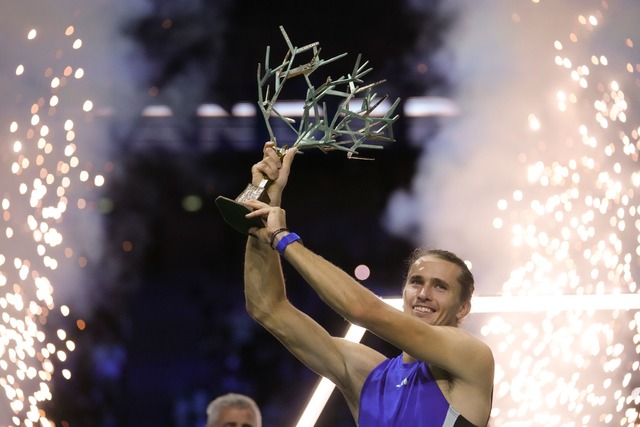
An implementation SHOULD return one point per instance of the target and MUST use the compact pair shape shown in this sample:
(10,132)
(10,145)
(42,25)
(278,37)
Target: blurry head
(233,410)
(438,287)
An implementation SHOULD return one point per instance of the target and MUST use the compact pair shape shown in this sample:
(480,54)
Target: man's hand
(275,168)
(273,217)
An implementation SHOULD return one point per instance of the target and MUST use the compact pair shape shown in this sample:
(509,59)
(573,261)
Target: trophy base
(234,214)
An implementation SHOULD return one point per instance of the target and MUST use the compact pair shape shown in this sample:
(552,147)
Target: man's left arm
(450,348)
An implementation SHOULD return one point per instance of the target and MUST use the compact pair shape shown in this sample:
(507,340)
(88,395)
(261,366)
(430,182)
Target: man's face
(432,292)
(236,417)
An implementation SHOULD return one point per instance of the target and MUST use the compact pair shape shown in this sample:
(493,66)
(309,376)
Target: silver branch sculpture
(350,128)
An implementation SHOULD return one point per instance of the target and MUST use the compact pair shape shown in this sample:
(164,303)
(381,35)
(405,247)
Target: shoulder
(464,355)
(477,351)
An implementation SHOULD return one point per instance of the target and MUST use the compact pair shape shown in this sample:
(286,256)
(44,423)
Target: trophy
(347,130)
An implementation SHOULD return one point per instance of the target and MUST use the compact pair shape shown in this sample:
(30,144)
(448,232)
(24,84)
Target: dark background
(171,333)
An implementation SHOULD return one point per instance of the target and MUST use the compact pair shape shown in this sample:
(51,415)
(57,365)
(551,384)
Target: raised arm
(449,348)
(343,362)
(425,331)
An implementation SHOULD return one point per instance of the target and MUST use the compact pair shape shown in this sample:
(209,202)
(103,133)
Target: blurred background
(517,147)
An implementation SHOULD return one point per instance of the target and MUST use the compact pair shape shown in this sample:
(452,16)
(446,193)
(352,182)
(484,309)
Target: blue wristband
(286,241)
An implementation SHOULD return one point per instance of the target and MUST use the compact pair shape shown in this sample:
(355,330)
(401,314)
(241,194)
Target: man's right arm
(345,363)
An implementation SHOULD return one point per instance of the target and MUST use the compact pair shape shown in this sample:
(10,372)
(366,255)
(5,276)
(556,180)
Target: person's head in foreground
(233,410)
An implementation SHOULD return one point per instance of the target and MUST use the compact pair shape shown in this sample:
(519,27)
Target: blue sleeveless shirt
(397,394)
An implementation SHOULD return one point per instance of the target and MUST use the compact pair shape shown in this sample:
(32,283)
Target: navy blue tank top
(399,394)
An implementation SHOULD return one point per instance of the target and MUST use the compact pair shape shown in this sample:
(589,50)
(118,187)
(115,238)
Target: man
(444,376)
(233,410)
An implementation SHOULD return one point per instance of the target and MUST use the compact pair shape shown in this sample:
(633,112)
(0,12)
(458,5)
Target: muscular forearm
(336,288)
(263,280)
(299,333)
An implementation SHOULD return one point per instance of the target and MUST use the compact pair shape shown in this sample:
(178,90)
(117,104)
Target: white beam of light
(325,387)
(485,304)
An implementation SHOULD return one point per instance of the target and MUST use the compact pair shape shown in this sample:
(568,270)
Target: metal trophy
(347,130)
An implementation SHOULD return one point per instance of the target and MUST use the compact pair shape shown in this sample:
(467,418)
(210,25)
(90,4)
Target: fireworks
(565,329)
(43,174)
(572,217)
(575,227)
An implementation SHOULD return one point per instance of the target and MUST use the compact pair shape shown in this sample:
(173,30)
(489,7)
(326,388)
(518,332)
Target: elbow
(259,312)
(363,312)
(254,310)
(356,312)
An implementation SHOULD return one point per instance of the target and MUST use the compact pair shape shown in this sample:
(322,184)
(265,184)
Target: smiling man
(444,375)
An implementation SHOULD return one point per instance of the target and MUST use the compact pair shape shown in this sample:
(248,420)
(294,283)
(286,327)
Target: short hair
(465,278)
(231,400)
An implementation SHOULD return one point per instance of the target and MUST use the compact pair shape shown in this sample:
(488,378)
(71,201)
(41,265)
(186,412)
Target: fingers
(275,166)
(267,168)
(267,146)
(287,160)
(273,216)
(270,164)
(259,209)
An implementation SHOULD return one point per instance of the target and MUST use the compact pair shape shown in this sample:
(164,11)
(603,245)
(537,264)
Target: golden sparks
(43,166)
(578,222)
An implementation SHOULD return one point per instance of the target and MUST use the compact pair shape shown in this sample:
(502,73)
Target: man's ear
(463,311)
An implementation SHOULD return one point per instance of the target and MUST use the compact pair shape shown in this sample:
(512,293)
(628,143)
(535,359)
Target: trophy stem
(233,211)
(253,192)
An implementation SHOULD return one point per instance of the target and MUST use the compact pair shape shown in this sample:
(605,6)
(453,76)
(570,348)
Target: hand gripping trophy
(348,130)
